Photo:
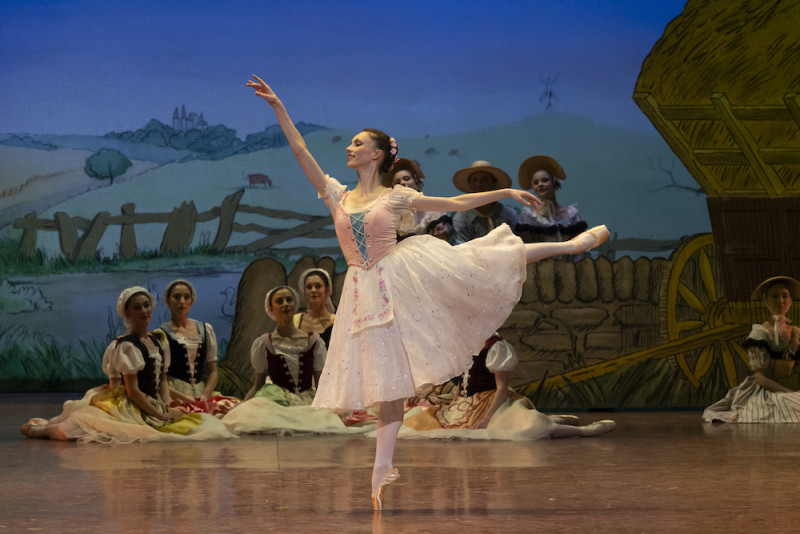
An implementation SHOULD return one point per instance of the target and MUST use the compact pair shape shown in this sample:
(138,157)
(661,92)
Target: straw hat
(760,292)
(537,163)
(403,164)
(461,178)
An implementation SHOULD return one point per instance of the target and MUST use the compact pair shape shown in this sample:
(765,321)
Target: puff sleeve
(126,359)
(333,193)
(258,355)
(320,353)
(211,344)
(402,198)
(501,357)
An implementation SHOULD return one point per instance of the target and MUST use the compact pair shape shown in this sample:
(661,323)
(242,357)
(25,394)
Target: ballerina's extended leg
(589,239)
(592,429)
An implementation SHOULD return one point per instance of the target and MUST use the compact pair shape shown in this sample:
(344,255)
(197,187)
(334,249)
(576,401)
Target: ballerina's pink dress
(411,313)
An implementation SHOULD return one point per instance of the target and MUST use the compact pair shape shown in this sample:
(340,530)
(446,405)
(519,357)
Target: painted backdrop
(132,153)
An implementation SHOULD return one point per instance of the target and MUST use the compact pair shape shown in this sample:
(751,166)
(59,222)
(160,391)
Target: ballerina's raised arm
(304,157)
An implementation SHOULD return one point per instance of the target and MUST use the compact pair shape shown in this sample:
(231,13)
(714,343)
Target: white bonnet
(301,284)
(176,282)
(269,296)
(125,296)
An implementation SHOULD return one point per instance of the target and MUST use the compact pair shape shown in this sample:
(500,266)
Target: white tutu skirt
(430,307)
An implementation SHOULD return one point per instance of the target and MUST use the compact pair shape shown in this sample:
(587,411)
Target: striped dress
(750,403)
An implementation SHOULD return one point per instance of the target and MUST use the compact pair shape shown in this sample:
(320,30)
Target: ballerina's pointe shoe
(26,430)
(591,238)
(599,427)
(377,497)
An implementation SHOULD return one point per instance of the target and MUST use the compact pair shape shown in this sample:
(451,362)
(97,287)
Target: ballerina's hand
(262,89)
(525,197)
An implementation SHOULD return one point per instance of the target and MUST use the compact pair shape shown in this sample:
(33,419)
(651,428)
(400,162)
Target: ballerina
(399,298)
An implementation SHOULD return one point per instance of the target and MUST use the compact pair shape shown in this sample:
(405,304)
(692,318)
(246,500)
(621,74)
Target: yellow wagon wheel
(692,302)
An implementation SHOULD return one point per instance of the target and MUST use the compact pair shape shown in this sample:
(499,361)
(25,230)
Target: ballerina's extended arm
(304,157)
(473,200)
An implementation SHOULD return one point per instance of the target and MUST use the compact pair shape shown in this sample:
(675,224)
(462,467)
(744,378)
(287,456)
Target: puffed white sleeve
(211,344)
(333,192)
(108,367)
(794,342)
(258,355)
(320,353)
(759,357)
(757,344)
(402,198)
(501,357)
(126,358)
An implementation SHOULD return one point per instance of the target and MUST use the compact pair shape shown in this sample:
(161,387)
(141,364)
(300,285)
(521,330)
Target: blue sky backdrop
(410,68)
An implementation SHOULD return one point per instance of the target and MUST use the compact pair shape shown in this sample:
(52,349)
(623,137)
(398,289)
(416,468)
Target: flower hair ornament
(393,148)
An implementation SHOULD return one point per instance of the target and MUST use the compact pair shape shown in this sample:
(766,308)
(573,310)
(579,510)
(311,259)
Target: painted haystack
(722,86)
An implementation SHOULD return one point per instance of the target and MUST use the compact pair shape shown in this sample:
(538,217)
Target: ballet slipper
(38,421)
(598,427)
(591,238)
(571,420)
(377,497)
(27,430)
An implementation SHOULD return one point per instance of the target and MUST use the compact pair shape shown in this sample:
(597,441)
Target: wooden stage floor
(658,472)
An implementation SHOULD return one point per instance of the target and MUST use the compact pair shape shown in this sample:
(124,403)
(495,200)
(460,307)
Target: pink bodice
(367,236)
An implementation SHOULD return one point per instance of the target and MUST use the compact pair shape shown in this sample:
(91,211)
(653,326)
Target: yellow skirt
(117,404)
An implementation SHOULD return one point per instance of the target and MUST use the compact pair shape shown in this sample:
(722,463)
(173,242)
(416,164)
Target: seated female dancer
(773,348)
(193,349)
(291,358)
(137,410)
(485,407)
(317,286)
(400,297)
(550,221)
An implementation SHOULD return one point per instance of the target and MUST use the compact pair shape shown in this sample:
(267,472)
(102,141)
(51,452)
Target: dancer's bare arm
(258,383)
(474,200)
(769,384)
(304,157)
(500,395)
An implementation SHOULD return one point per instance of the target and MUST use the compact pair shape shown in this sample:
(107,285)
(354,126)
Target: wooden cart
(747,160)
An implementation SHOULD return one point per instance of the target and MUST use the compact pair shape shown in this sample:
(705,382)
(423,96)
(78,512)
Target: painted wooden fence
(79,236)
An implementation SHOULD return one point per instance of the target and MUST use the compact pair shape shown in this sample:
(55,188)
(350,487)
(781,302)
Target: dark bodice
(279,370)
(180,367)
(149,377)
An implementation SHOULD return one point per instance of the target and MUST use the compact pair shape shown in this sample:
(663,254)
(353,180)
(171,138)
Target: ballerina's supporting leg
(581,243)
(390,417)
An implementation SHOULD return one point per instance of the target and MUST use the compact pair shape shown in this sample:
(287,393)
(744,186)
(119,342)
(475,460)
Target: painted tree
(107,164)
